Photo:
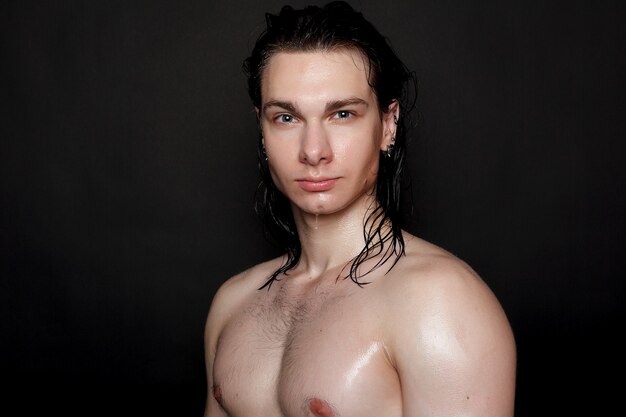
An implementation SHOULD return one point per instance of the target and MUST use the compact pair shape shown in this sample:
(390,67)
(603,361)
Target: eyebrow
(352,101)
(286,105)
(330,106)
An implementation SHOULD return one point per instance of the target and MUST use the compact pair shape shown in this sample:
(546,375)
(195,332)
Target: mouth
(316,185)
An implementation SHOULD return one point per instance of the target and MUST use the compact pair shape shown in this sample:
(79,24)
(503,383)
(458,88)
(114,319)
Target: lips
(317,185)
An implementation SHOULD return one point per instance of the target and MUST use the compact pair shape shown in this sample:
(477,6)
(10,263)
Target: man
(359,317)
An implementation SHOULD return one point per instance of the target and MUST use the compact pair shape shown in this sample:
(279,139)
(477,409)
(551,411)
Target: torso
(426,338)
(308,349)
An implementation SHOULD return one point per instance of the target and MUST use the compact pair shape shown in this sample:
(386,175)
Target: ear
(390,124)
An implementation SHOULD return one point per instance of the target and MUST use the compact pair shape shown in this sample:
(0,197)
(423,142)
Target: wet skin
(322,347)
(296,355)
(323,133)
(427,338)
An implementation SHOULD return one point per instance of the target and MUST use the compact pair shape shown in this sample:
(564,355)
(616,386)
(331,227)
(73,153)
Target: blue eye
(343,114)
(285,118)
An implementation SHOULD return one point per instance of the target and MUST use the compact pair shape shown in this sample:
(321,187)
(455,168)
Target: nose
(315,146)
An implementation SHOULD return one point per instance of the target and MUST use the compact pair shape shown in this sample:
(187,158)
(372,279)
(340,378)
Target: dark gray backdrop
(128,168)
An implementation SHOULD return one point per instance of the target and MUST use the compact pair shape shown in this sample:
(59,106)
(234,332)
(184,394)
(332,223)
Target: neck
(332,240)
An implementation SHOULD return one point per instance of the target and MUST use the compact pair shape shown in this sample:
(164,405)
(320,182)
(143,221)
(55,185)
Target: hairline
(340,47)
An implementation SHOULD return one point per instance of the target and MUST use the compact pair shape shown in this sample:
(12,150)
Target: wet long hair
(337,26)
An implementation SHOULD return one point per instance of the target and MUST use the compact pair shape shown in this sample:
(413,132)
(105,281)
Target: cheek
(281,147)
(273,172)
(362,151)
(279,171)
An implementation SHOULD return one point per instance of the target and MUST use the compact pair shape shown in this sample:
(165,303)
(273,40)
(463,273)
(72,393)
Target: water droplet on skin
(316,216)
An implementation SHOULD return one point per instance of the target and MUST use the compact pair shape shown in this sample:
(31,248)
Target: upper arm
(453,346)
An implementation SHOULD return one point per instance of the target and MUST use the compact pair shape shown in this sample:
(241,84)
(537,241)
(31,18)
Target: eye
(343,114)
(285,118)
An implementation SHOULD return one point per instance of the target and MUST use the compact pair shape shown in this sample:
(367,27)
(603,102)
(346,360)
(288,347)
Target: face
(322,129)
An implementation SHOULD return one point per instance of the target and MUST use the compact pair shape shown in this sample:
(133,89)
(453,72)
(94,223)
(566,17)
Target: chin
(313,208)
(325,208)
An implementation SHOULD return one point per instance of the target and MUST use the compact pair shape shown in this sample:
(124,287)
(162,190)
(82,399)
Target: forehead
(323,74)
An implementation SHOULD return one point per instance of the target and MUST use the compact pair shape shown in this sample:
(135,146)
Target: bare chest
(312,356)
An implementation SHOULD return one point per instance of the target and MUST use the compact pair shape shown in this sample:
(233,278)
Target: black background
(128,167)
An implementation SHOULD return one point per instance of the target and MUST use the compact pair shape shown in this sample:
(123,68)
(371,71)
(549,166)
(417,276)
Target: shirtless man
(359,318)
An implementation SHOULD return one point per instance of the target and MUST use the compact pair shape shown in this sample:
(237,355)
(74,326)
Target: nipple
(320,408)
(217,393)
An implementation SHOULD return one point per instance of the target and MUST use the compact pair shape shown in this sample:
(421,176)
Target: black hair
(337,26)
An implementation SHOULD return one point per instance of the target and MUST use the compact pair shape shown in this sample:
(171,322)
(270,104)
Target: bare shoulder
(430,278)
(448,336)
(234,294)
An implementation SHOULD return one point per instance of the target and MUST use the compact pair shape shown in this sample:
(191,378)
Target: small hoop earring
(389,149)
